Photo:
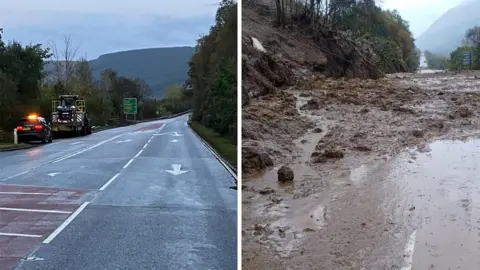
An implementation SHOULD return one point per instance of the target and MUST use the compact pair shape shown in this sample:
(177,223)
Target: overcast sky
(420,13)
(103,26)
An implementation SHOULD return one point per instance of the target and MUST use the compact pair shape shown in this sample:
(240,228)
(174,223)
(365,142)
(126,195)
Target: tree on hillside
(473,36)
(64,60)
(213,74)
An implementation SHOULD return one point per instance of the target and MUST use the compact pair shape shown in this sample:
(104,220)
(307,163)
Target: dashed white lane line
(109,181)
(13,176)
(65,223)
(23,193)
(130,161)
(20,235)
(409,250)
(86,149)
(34,210)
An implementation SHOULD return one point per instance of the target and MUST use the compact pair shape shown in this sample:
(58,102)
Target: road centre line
(34,210)
(20,235)
(129,162)
(65,223)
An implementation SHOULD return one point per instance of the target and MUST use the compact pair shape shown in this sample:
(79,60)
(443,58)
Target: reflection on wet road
(443,188)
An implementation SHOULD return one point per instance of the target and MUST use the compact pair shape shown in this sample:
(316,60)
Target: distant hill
(448,31)
(159,67)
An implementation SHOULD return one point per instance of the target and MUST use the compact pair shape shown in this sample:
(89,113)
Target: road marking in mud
(409,250)
(20,235)
(65,223)
(34,210)
(86,149)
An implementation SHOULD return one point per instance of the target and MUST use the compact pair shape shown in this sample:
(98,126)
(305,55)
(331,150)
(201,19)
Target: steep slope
(159,67)
(447,32)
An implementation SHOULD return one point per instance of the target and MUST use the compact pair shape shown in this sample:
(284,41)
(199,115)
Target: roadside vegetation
(26,87)
(213,77)
(454,62)
(361,22)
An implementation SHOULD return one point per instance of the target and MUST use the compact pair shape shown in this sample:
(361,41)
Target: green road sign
(130,105)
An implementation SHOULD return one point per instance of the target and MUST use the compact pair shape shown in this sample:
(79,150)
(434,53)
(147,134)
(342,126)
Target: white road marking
(177,169)
(409,250)
(76,143)
(86,149)
(138,154)
(34,210)
(209,148)
(109,181)
(128,163)
(65,223)
(23,193)
(124,141)
(174,140)
(20,235)
(53,174)
(13,176)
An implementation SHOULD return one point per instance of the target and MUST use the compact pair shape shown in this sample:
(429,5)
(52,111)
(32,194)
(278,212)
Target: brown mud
(370,191)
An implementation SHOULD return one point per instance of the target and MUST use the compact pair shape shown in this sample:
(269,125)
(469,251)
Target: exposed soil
(338,137)
(363,123)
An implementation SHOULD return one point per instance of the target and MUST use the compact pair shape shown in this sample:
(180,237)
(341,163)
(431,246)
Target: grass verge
(223,146)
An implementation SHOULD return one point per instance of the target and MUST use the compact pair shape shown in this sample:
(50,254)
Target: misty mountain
(448,31)
(159,67)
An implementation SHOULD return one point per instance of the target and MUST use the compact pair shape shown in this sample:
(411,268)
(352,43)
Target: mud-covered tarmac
(403,194)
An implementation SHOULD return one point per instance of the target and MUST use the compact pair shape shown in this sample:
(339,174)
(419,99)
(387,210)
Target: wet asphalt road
(156,198)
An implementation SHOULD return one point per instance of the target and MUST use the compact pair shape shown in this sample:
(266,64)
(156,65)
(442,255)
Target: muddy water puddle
(443,188)
(418,210)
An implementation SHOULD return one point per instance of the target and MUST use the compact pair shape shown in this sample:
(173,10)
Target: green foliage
(435,61)
(225,147)
(471,44)
(387,30)
(213,74)
(24,88)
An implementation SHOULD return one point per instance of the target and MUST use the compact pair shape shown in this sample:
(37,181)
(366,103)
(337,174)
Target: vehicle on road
(34,128)
(69,116)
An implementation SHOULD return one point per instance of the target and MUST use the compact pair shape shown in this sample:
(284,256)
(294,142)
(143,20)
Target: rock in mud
(462,111)
(285,174)
(312,104)
(324,156)
(317,130)
(418,133)
(253,160)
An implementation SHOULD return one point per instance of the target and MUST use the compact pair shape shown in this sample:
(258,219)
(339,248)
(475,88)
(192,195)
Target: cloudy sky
(420,13)
(103,26)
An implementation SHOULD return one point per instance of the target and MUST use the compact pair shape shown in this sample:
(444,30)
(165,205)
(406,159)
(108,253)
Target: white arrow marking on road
(176,134)
(124,141)
(177,169)
(54,173)
(174,140)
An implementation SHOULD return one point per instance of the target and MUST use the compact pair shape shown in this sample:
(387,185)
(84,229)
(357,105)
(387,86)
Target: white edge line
(65,223)
(13,176)
(109,181)
(23,193)
(20,235)
(214,154)
(409,250)
(34,210)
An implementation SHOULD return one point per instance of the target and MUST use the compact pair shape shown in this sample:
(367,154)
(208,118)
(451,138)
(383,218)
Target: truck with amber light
(69,116)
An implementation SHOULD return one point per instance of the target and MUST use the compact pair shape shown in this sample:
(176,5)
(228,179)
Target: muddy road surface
(386,175)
